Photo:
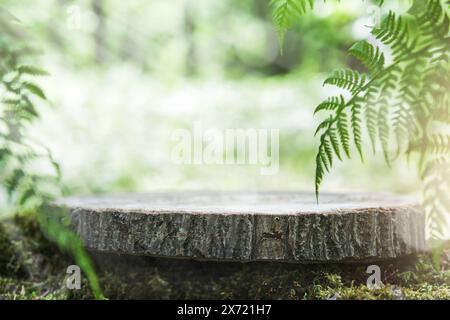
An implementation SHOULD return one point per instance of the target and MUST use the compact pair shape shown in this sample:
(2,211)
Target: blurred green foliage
(125,74)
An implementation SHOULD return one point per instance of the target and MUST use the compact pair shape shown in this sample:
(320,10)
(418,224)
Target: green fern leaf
(394,33)
(350,80)
(369,55)
(324,125)
(371,116)
(332,103)
(34,89)
(356,126)
(328,151)
(343,132)
(14,180)
(286,12)
(402,125)
(32,70)
(334,139)
(321,166)
(384,130)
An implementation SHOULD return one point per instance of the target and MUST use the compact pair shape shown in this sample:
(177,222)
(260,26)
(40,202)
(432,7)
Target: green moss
(21,289)
(34,265)
(151,278)
(7,256)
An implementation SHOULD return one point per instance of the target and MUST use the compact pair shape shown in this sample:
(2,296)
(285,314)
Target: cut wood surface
(250,226)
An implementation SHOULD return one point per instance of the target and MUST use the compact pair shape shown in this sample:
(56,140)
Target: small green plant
(400,99)
(22,160)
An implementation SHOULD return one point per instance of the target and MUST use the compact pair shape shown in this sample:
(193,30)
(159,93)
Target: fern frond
(403,125)
(12,183)
(286,12)
(384,130)
(34,89)
(334,139)
(325,124)
(393,32)
(332,103)
(343,131)
(371,115)
(441,114)
(356,121)
(370,56)
(439,144)
(408,98)
(320,170)
(327,147)
(350,80)
(31,70)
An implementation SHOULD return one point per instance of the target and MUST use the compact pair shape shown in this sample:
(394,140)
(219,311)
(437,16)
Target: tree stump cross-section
(251,226)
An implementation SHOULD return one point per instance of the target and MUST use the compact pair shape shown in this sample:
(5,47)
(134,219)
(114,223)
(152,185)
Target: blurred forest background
(126,74)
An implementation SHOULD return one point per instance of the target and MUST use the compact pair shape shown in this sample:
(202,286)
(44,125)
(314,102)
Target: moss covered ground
(33,268)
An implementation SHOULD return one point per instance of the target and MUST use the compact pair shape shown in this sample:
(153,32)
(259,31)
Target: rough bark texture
(281,226)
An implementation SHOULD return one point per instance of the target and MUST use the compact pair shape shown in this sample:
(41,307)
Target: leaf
(370,56)
(321,166)
(332,103)
(384,131)
(27,195)
(371,116)
(286,12)
(324,125)
(34,89)
(350,80)
(32,70)
(394,32)
(13,182)
(343,132)
(356,126)
(335,142)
